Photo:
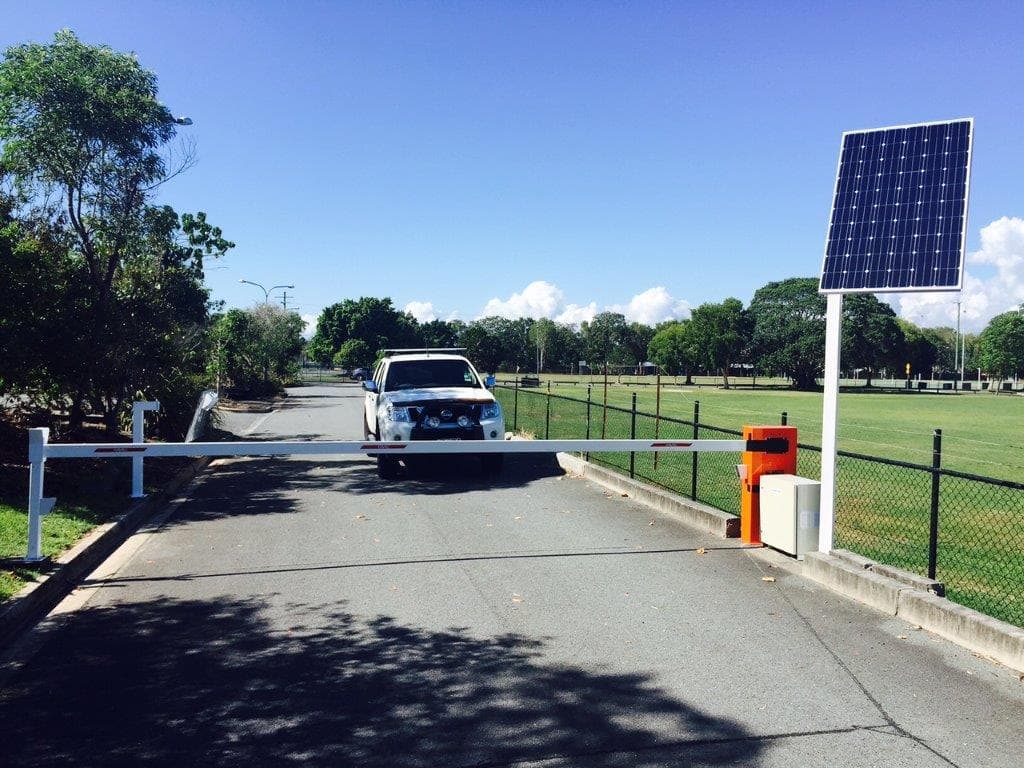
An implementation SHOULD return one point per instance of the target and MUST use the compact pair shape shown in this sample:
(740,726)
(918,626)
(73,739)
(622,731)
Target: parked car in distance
(360,374)
(430,394)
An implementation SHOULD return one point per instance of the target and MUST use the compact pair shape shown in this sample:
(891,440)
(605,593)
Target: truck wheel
(387,467)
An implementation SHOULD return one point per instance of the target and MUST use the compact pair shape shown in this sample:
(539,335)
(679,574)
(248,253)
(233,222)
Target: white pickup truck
(429,394)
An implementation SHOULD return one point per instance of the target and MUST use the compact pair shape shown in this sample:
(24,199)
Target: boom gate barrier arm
(762,442)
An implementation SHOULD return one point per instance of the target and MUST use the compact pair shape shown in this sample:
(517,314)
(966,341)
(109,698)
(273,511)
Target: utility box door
(790,513)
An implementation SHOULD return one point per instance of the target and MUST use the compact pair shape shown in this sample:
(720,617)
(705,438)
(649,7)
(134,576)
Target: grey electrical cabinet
(790,513)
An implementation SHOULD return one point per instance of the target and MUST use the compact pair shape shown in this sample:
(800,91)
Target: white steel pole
(139,409)
(38,507)
(829,417)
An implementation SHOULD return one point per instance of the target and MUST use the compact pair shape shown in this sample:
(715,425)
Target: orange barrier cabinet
(755,464)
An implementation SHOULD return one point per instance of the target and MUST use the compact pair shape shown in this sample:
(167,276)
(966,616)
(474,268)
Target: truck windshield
(427,374)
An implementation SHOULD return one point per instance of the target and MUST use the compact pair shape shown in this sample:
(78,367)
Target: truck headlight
(398,414)
(490,411)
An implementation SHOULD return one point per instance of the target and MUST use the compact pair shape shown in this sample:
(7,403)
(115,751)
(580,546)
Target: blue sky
(559,158)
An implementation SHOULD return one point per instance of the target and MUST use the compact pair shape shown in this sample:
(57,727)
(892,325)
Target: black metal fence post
(632,436)
(515,406)
(693,469)
(933,526)
(587,454)
(785,419)
(547,413)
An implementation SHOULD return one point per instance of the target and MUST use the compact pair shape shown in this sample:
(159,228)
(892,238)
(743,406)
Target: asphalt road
(299,611)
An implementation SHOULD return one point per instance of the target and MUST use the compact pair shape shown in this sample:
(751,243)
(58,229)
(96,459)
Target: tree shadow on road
(187,682)
(270,485)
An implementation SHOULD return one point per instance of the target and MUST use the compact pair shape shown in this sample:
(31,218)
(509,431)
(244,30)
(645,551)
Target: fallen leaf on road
(518,517)
(362,517)
(767,578)
(702,551)
(625,495)
(651,523)
(517,599)
(901,637)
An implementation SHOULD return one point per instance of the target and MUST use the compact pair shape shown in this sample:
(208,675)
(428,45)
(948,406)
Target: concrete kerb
(691,512)
(912,598)
(36,599)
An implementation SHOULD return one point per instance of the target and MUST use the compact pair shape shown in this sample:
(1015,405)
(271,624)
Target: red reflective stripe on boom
(126,449)
(671,445)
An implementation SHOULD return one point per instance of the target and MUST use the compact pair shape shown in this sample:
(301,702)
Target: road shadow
(186,682)
(267,485)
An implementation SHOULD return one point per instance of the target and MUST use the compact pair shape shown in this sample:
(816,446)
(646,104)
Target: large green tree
(674,348)
(497,343)
(83,146)
(605,340)
(256,350)
(721,332)
(872,339)
(373,321)
(923,347)
(789,329)
(1001,345)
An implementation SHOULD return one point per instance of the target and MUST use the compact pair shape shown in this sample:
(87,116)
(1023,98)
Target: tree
(872,338)
(636,340)
(564,348)
(483,347)
(604,340)
(1001,345)
(540,334)
(674,349)
(354,353)
(373,321)
(256,349)
(720,332)
(923,347)
(441,334)
(81,130)
(36,329)
(789,329)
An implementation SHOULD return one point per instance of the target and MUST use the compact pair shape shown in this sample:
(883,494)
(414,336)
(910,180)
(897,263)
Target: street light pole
(956,345)
(266,293)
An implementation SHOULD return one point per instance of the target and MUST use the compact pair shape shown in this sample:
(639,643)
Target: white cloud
(653,306)
(423,311)
(994,284)
(539,299)
(574,314)
(543,299)
(310,326)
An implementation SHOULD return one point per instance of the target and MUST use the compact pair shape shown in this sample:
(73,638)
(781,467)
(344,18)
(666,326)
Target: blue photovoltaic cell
(900,209)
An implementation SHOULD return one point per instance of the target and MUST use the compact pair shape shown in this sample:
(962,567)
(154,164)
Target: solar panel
(899,216)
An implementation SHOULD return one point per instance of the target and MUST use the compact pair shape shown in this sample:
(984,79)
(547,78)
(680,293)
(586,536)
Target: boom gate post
(757,463)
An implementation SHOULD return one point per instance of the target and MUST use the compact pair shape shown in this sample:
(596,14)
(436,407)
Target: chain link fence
(962,529)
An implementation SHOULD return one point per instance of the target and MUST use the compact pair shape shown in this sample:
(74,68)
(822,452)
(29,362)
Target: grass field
(882,511)
(87,492)
(981,432)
